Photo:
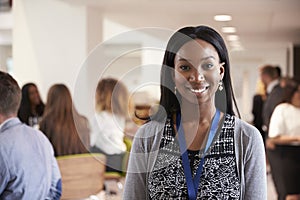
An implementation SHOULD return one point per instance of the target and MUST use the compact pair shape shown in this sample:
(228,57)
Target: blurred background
(77,42)
(48,41)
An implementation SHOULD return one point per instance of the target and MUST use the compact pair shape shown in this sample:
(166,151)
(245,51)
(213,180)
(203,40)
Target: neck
(295,102)
(205,112)
(33,109)
(196,121)
(3,118)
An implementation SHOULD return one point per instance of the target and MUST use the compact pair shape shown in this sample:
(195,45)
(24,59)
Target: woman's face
(34,95)
(198,71)
(296,98)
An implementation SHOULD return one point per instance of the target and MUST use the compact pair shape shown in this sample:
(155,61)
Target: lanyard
(193,183)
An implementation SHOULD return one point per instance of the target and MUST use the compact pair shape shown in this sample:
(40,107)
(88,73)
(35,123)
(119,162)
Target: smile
(200,90)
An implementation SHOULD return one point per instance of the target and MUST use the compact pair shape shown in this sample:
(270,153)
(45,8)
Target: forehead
(32,88)
(197,49)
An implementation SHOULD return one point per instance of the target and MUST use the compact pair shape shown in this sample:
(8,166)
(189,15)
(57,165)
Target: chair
(82,175)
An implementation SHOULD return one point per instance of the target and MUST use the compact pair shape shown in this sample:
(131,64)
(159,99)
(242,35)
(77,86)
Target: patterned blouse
(219,178)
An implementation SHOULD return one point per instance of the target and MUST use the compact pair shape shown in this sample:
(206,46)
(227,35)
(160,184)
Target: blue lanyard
(193,183)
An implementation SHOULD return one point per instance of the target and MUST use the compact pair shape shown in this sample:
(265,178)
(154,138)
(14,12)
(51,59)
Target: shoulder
(82,120)
(148,135)
(248,141)
(21,134)
(282,107)
(245,132)
(258,98)
(150,128)
(278,88)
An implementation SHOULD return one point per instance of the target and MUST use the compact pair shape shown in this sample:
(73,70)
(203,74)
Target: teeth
(198,90)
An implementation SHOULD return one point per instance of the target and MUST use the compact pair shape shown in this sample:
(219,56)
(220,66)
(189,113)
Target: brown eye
(185,68)
(207,65)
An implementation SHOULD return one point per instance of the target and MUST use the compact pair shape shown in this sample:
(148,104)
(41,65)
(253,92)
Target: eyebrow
(184,59)
(205,58)
(208,57)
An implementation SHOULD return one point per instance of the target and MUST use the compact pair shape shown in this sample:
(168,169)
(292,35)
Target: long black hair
(25,108)
(169,101)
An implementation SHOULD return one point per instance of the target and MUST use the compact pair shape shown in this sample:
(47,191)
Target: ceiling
(260,23)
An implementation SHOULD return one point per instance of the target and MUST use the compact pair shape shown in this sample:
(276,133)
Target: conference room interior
(78,42)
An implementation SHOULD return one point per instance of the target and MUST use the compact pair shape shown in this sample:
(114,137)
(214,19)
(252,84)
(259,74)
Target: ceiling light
(235,44)
(239,48)
(223,18)
(228,29)
(232,37)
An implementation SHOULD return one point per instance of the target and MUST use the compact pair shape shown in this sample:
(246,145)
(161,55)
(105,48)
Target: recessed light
(232,37)
(228,29)
(239,48)
(222,18)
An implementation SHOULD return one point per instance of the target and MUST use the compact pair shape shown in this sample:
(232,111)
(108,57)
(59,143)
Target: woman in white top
(283,145)
(107,135)
(284,125)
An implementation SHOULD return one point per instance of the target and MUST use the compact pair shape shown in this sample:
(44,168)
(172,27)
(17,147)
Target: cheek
(31,96)
(298,96)
(180,78)
(213,78)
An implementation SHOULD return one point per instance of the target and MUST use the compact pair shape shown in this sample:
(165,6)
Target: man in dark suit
(275,94)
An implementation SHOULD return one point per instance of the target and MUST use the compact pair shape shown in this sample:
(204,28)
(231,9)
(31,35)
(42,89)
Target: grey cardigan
(250,155)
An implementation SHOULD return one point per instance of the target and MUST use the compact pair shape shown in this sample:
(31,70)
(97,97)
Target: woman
(32,107)
(284,124)
(191,149)
(108,128)
(257,107)
(66,129)
(283,144)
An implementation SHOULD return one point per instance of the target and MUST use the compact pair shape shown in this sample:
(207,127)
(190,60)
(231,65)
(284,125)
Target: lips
(199,90)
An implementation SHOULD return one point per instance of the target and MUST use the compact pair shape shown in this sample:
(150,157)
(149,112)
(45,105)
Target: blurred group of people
(276,90)
(67,131)
(190,148)
(70,132)
(276,112)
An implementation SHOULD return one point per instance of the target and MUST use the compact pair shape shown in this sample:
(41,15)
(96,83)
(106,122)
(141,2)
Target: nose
(197,76)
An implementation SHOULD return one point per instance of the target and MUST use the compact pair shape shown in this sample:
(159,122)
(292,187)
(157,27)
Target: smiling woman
(198,73)
(193,149)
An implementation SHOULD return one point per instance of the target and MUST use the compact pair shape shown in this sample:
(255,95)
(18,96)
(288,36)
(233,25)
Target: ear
(222,70)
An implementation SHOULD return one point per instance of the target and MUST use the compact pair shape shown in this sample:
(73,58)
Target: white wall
(57,42)
(49,42)
(245,73)
(5,53)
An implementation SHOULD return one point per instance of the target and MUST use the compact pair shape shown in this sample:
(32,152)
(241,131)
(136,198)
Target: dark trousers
(285,168)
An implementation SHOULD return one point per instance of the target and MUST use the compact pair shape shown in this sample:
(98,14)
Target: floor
(271,189)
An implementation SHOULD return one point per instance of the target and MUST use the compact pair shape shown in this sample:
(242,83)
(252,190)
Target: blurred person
(257,108)
(32,107)
(28,167)
(191,149)
(278,70)
(293,197)
(107,136)
(67,130)
(285,81)
(284,124)
(270,77)
(284,134)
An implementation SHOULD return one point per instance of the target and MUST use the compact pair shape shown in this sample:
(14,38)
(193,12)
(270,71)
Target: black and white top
(234,166)
(219,178)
